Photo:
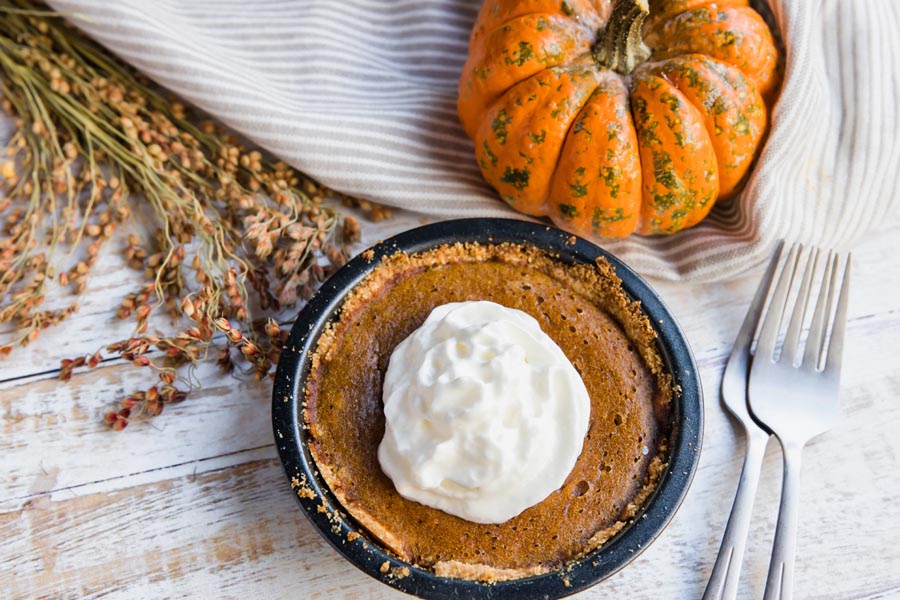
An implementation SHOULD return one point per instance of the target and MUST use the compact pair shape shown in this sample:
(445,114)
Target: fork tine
(836,345)
(792,338)
(817,327)
(748,327)
(768,335)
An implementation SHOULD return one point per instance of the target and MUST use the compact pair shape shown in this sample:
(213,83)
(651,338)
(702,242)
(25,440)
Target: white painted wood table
(194,503)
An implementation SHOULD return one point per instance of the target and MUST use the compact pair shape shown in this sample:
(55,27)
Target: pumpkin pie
(584,309)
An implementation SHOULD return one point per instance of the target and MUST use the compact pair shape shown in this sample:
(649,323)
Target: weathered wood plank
(204,536)
(53,436)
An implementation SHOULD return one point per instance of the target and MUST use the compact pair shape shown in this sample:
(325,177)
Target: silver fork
(723,582)
(797,401)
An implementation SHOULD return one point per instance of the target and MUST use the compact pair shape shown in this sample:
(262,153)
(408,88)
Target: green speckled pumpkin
(579,115)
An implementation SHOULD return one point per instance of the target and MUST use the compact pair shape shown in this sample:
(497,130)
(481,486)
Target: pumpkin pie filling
(601,331)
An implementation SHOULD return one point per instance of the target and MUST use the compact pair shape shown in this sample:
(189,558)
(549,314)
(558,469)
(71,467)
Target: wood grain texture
(204,536)
(194,504)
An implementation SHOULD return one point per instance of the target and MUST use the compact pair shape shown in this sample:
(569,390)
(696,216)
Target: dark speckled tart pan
(368,555)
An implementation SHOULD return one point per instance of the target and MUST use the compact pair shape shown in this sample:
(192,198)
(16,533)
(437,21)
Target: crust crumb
(399,572)
(602,536)
(385,567)
(303,490)
(476,572)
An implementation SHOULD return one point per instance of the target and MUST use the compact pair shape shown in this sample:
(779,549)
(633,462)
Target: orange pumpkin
(576,117)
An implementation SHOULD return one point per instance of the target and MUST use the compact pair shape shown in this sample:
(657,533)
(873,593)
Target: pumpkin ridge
(732,110)
(596,186)
(512,53)
(582,13)
(680,182)
(736,35)
(663,10)
(519,142)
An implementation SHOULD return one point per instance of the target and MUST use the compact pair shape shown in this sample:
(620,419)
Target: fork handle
(723,582)
(780,581)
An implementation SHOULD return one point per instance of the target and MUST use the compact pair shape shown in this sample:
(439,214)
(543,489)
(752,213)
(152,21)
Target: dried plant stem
(234,237)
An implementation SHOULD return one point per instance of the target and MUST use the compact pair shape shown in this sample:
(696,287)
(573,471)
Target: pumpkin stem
(619,45)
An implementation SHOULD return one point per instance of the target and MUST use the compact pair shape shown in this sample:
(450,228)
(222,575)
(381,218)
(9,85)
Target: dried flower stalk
(229,237)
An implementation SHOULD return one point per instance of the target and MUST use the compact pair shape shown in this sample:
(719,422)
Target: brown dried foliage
(232,237)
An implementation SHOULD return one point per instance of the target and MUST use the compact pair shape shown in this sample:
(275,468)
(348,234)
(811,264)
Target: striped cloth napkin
(361,94)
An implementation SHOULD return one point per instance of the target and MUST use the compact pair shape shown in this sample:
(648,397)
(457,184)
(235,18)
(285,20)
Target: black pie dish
(367,554)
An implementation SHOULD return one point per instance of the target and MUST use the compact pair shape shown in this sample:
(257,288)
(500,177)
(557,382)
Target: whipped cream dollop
(485,416)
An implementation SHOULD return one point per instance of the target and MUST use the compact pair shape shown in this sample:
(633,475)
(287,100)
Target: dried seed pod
(272,328)
(188,307)
(246,218)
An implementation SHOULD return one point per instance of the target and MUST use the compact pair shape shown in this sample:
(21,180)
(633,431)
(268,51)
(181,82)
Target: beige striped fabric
(361,94)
